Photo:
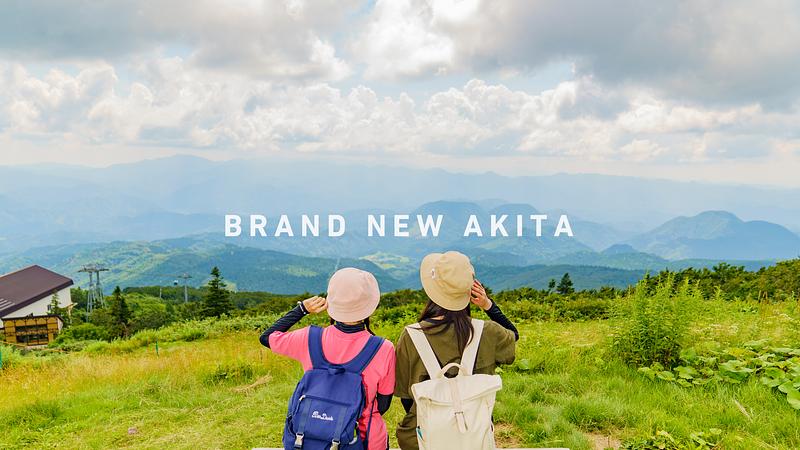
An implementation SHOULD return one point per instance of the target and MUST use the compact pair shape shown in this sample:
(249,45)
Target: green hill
(159,262)
(253,269)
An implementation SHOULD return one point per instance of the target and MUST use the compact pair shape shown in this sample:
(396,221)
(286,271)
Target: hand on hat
(315,304)
(478,296)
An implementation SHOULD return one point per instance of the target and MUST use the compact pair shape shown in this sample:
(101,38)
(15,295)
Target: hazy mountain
(596,235)
(718,234)
(623,256)
(180,196)
(193,185)
(631,261)
(618,249)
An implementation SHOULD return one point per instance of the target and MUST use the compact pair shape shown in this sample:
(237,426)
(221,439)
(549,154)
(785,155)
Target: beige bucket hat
(447,279)
(353,295)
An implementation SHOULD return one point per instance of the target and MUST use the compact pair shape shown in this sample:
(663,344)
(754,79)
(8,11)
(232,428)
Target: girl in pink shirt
(353,296)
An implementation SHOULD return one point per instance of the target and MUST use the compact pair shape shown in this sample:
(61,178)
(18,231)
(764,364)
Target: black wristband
(302,307)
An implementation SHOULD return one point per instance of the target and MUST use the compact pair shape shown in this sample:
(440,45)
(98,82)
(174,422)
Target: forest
(151,307)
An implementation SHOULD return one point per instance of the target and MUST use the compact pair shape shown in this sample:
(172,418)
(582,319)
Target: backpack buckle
(298,441)
(335,444)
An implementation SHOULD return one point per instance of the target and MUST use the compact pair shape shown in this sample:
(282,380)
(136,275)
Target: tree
(120,314)
(217,300)
(148,313)
(56,309)
(551,285)
(565,286)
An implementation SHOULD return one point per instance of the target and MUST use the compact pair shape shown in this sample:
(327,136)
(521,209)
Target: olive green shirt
(497,346)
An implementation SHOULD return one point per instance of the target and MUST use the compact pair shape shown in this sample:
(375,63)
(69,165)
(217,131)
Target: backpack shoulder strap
(470,355)
(364,357)
(318,360)
(424,349)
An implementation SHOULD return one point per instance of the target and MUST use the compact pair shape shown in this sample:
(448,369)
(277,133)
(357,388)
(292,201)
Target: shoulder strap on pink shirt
(318,360)
(365,356)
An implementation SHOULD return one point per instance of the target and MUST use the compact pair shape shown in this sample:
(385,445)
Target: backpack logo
(323,416)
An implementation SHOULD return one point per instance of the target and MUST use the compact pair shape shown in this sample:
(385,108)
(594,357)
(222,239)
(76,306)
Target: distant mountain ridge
(150,202)
(621,258)
(53,204)
(718,234)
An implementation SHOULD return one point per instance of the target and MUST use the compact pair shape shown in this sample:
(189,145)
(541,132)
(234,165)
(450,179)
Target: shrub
(9,357)
(584,309)
(83,332)
(397,315)
(663,440)
(97,347)
(528,310)
(652,327)
(72,346)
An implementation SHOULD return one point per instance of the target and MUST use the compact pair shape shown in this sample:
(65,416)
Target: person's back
(340,344)
(496,347)
(447,326)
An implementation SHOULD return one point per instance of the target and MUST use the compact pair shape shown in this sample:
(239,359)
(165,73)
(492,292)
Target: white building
(29,292)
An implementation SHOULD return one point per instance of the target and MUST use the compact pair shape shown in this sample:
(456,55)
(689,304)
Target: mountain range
(151,220)
(718,234)
(180,196)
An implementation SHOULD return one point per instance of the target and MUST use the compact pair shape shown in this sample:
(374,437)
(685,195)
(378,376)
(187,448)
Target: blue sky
(695,90)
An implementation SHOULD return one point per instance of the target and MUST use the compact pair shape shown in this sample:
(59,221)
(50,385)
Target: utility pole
(185,277)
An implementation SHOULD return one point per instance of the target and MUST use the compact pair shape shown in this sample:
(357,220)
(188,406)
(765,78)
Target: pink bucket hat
(353,295)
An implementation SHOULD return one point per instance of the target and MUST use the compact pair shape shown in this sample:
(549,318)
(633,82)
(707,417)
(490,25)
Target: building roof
(29,285)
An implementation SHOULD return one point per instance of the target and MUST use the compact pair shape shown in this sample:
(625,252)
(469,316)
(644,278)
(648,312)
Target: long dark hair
(435,319)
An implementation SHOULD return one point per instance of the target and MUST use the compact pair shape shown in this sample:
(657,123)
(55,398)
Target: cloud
(399,41)
(54,103)
(261,39)
(708,51)
(169,102)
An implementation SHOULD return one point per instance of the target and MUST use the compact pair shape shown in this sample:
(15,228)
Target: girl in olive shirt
(449,282)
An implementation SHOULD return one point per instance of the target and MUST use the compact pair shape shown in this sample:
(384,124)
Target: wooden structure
(31,331)
(31,291)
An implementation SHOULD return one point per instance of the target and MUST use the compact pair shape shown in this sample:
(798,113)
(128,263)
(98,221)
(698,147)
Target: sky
(703,90)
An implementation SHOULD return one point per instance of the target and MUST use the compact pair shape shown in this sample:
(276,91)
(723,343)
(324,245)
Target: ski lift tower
(95,296)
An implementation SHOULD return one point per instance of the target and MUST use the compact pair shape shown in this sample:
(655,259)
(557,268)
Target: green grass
(224,390)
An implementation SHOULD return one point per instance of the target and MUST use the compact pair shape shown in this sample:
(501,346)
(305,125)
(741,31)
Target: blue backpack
(328,401)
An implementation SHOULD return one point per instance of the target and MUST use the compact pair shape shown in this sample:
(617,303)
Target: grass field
(226,391)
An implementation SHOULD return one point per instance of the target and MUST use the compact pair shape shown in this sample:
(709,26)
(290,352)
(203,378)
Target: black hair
(435,319)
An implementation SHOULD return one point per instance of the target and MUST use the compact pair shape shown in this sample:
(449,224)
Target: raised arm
(480,299)
(303,308)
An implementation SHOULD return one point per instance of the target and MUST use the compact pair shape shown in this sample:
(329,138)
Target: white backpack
(454,412)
